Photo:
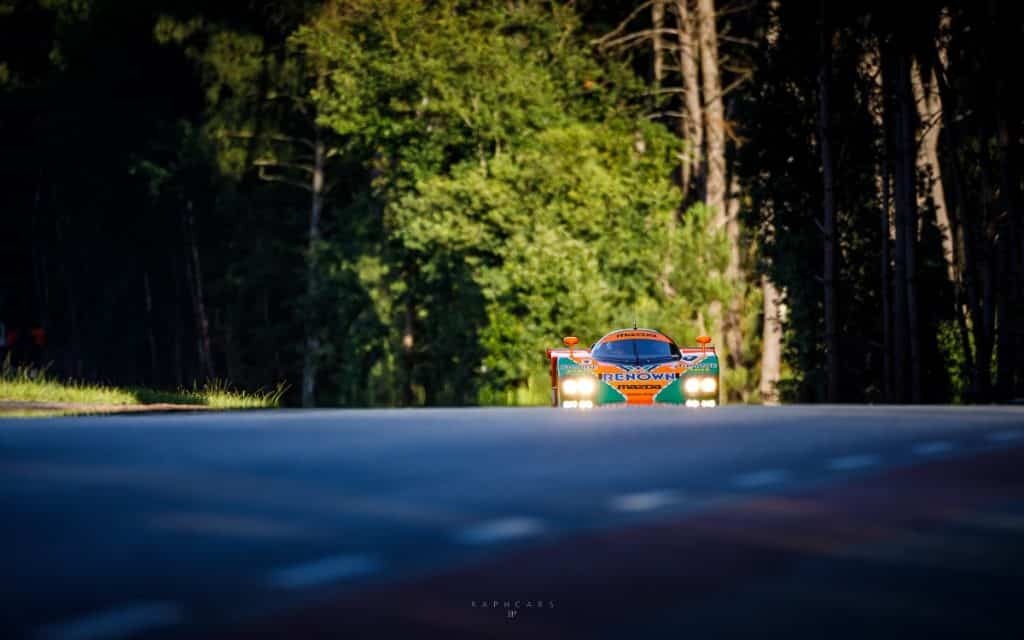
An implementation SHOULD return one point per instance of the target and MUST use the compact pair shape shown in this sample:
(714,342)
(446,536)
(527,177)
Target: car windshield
(639,351)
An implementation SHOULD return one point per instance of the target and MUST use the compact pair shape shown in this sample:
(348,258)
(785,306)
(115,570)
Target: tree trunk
(929,110)
(1010,336)
(894,149)
(693,114)
(986,257)
(907,196)
(883,171)
(870,67)
(73,365)
(40,270)
(147,296)
(771,343)
(194,273)
(948,183)
(1011,332)
(829,231)
(733,316)
(1004,316)
(715,177)
(176,327)
(964,237)
(984,333)
(658,43)
(714,194)
(312,339)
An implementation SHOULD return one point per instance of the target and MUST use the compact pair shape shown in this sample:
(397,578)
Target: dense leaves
(402,202)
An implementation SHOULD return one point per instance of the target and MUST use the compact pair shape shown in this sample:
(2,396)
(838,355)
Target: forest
(404,202)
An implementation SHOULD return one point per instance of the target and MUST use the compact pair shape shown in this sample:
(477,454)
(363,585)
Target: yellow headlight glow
(692,385)
(708,385)
(585,386)
(569,386)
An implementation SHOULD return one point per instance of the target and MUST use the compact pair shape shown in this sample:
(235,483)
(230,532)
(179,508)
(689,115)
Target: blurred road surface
(808,522)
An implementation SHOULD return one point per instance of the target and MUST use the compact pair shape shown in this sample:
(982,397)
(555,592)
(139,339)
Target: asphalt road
(813,522)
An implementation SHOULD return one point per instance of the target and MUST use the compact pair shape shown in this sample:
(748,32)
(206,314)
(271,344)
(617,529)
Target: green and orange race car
(634,366)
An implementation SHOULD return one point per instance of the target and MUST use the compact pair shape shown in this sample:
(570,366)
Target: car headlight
(708,385)
(569,386)
(692,385)
(585,386)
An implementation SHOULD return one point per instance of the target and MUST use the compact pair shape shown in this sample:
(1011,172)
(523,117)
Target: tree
(699,118)
(771,354)
(267,110)
(514,212)
(829,231)
(692,120)
(396,202)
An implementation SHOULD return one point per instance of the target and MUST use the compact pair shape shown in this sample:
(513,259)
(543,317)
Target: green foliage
(493,183)
(509,192)
(957,369)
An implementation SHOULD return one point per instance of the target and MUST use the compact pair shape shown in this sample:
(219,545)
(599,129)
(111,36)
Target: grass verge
(31,385)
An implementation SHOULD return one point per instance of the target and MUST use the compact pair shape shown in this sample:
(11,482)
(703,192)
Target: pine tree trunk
(1010,336)
(693,115)
(986,258)
(714,195)
(194,274)
(870,67)
(733,315)
(73,365)
(984,333)
(1004,316)
(312,340)
(658,43)
(771,343)
(147,294)
(908,168)
(40,270)
(176,327)
(830,233)
(896,152)
(885,267)
(715,176)
(929,111)
(966,292)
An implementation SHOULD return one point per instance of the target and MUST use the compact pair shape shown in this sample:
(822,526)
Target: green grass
(28,384)
(40,413)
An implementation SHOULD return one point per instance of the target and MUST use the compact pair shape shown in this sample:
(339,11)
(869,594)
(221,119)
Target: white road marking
(330,569)
(848,463)
(644,501)
(115,623)
(932,448)
(1005,436)
(760,478)
(501,530)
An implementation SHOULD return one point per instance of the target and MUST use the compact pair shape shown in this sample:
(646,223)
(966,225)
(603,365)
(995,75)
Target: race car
(634,366)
